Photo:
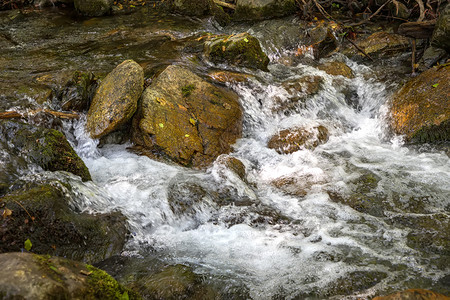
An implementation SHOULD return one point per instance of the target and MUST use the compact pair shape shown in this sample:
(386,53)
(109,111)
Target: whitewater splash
(289,240)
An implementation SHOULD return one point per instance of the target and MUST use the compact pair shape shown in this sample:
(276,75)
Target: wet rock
(185,195)
(42,213)
(78,92)
(431,56)
(421,108)
(233,164)
(116,99)
(413,294)
(298,90)
(31,276)
(93,8)
(380,44)
(241,50)
(441,34)
(24,95)
(195,8)
(291,140)
(263,9)
(297,185)
(337,68)
(227,76)
(321,41)
(188,119)
(47,148)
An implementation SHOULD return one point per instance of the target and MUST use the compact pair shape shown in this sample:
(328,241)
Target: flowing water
(353,217)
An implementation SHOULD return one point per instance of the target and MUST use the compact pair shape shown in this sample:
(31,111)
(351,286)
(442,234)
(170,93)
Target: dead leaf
(85,273)
(6,213)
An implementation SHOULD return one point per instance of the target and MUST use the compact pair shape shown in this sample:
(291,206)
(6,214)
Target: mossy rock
(291,140)
(78,92)
(187,119)
(380,44)
(413,294)
(195,8)
(31,276)
(249,10)
(441,33)
(116,99)
(337,68)
(93,8)
(421,108)
(47,148)
(42,213)
(241,50)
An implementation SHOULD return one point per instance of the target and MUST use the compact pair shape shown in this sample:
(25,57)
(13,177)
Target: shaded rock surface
(32,276)
(240,49)
(47,148)
(188,119)
(413,294)
(78,92)
(441,34)
(93,8)
(291,140)
(43,213)
(116,99)
(421,108)
(380,44)
(263,9)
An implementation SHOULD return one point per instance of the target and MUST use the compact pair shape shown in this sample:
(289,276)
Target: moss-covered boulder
(42,213)
(187,119)
(441,34)
(413,294)
(93,8)
(337,68)
(47,148)
(421,108)
(291,140)
(241,50)
(116,99)
(32,276)
(263,9)
(380,44)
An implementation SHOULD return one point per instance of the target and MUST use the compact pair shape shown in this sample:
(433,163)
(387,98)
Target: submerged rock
(32,276)
(116,99)
(186,118)
(47,148)
(238,49)
(413,294)
(78,92)
(337,68)
(441,34)
(93,8)
(263,9)
(291,140)
(421,108)
(42,213)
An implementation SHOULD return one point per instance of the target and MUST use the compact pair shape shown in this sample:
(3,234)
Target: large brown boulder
(116,99)
(32,276)
(187,119)
(291,140)
(414,294)
(421,108)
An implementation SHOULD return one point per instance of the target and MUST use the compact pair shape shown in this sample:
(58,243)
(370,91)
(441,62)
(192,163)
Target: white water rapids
(318,240)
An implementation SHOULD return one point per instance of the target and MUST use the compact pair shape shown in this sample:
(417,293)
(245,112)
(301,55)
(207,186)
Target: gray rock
(93,8)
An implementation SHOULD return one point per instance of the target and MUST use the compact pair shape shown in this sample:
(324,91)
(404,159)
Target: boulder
(195,8)
(78,92)
(320,40)
(381,44)
(294,139)
(241,50)
(116,99)
(229,77)
(187,119)
(32,276)
(298,90)
(93,8)
(337,68)
(47,148)
(232,164)
(441,34)
(42,213)
(421,108)
(413,294)
(431,56)
(263,9)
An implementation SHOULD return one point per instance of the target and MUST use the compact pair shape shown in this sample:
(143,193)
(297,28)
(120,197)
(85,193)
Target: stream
(354,217)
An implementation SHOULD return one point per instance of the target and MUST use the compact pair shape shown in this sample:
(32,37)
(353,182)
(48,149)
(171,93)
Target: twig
(371,16)
(58,114)
(32,219)
(359,49)
(224,4)
(422,10)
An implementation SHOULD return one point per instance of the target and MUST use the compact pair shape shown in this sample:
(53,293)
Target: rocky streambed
(191,159)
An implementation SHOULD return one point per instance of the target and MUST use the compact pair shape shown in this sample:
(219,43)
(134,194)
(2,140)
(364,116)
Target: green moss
(103,286)
(432,134)
(187,90)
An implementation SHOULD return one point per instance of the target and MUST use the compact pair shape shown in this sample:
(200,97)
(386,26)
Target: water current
(343,221)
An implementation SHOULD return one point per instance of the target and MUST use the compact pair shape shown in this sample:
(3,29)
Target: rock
(78,92)
(233,164)
(297,185)
(321,41)
(441,34)
(187,119)
(47,148)
(24,95)
(421,108)
(431,56)
(41,212)
(263,9)
(93,8)
(241,50)
(337,68)
(298,90)
(413,294)
(381,44)
(291,140)
(31,276)
(195,8)
(227,76)
(116,99)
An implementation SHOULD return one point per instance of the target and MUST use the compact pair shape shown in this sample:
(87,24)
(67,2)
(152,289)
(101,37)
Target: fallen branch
(225,4)
(422,11)
(372,15)
(359,48)
(19,115)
